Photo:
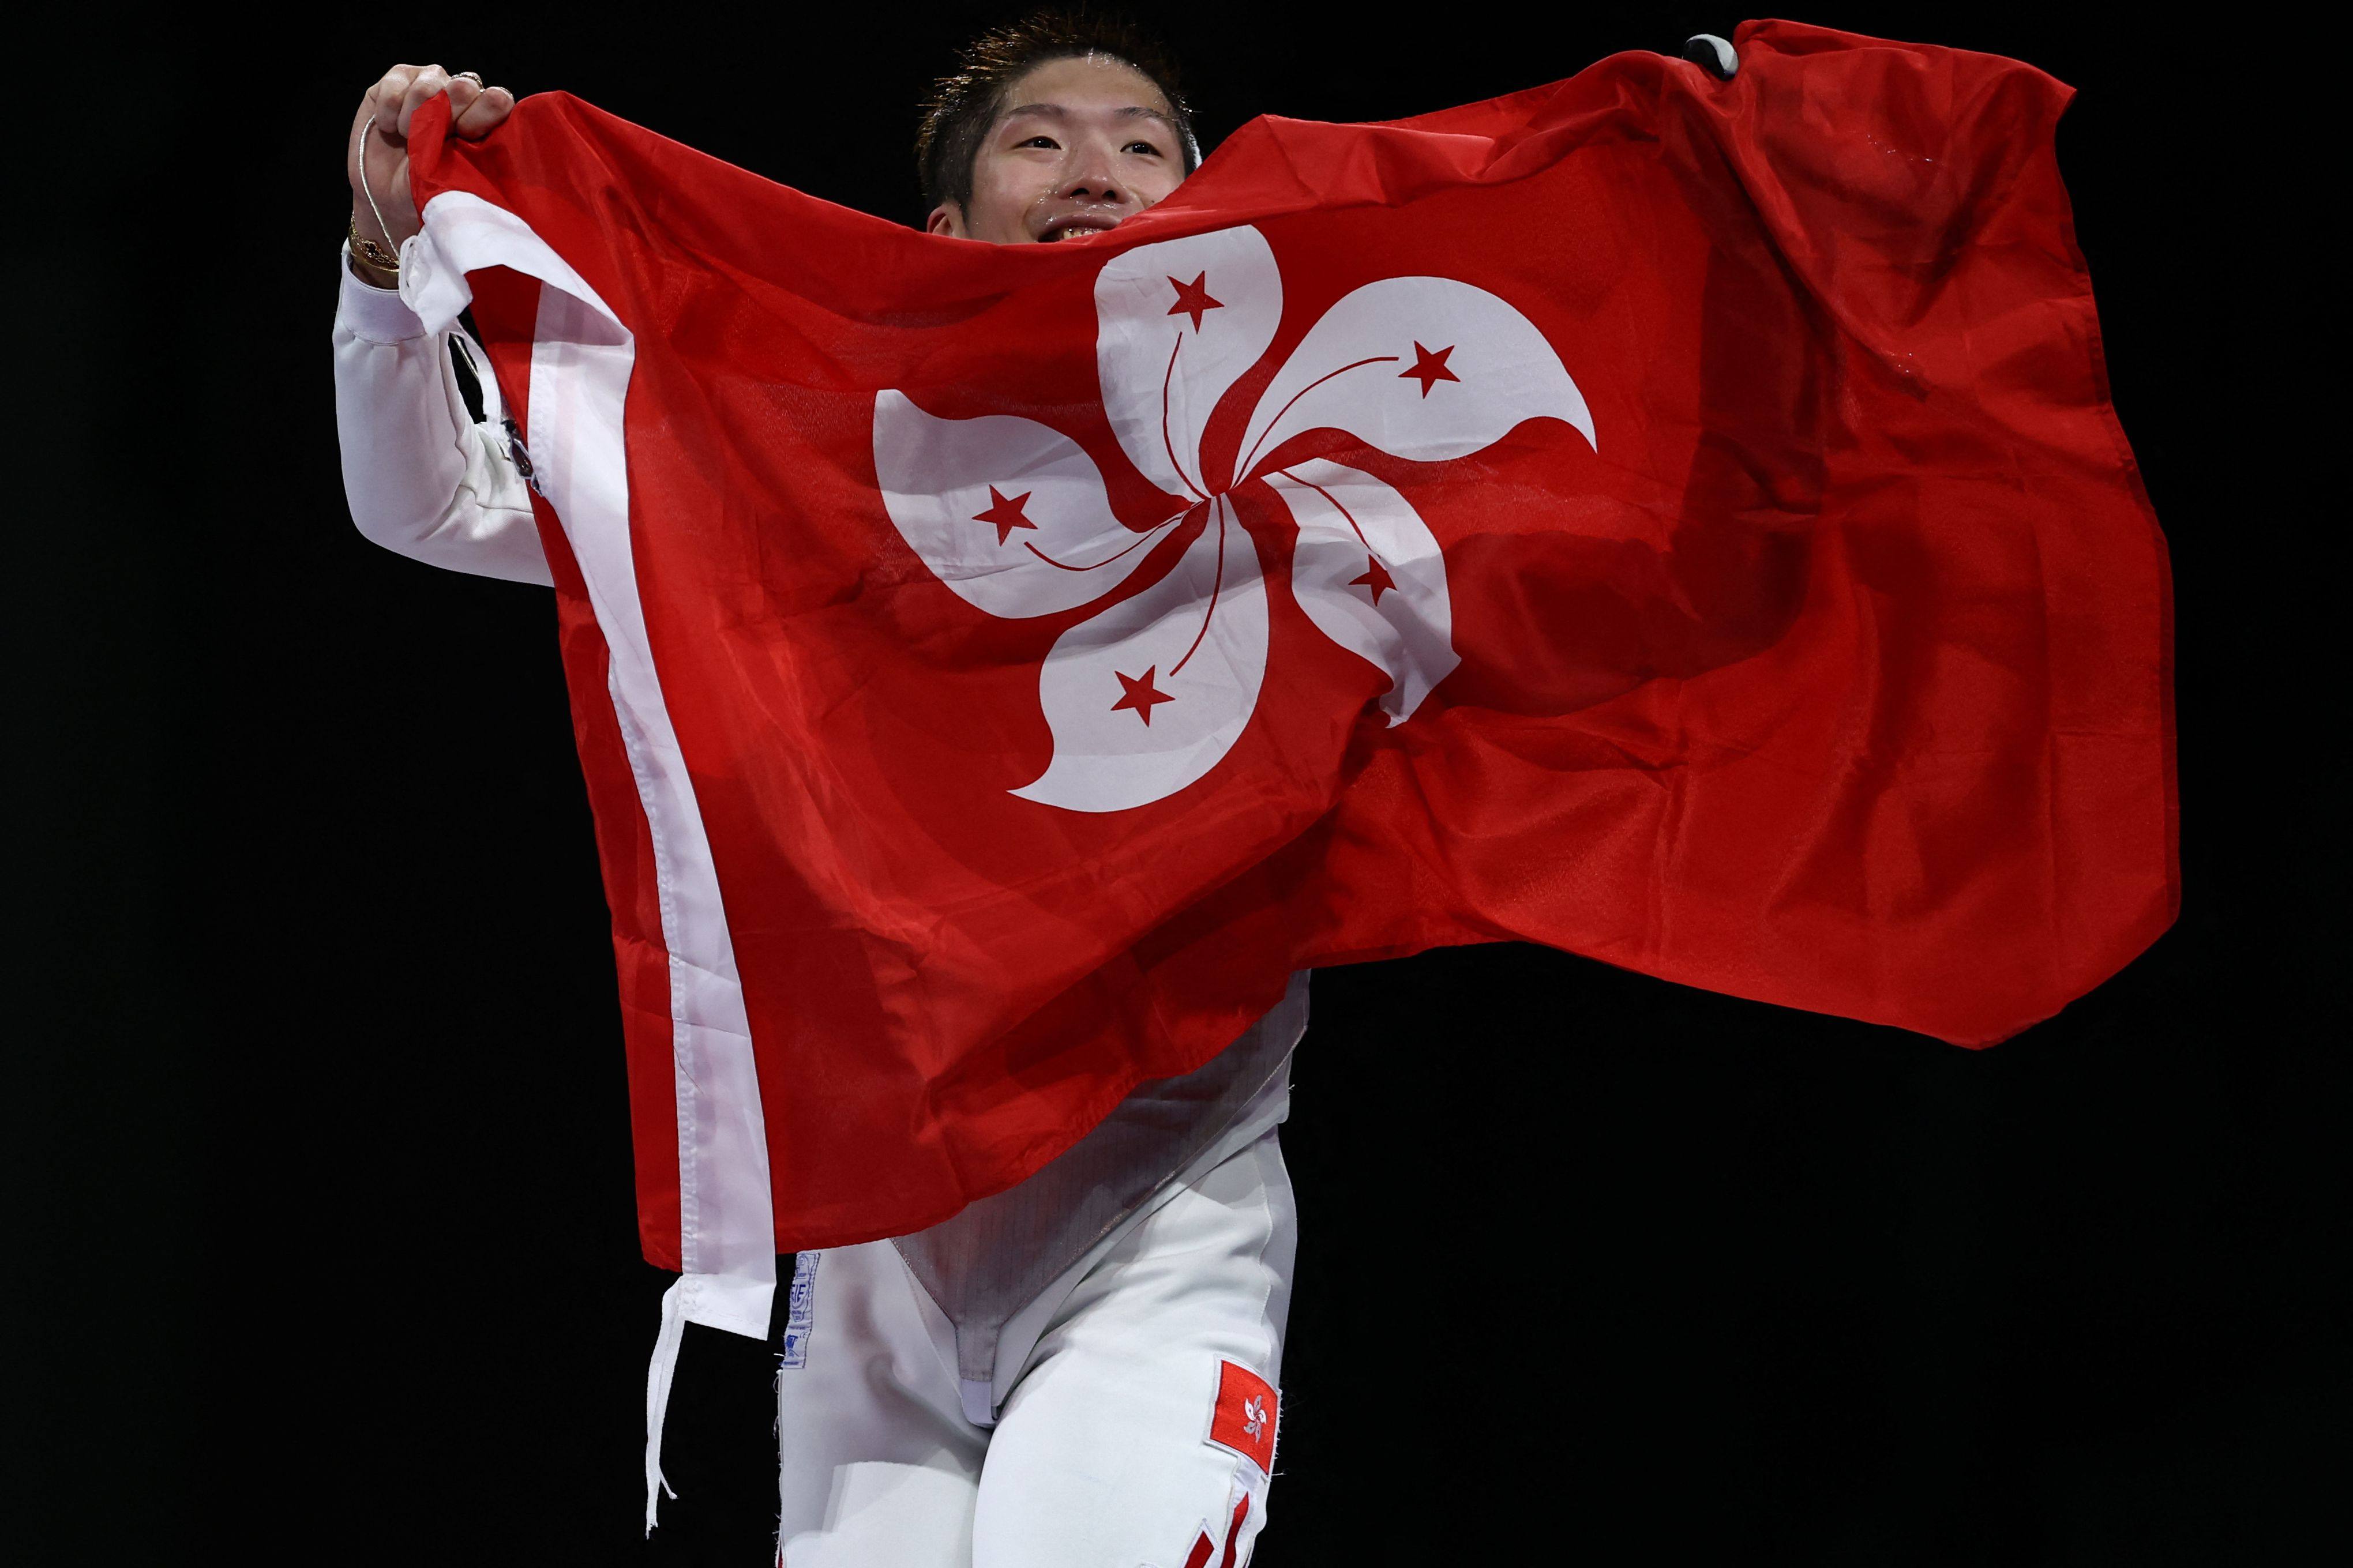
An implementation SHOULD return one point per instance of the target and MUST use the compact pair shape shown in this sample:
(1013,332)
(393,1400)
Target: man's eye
(1143,147)
(1041,142)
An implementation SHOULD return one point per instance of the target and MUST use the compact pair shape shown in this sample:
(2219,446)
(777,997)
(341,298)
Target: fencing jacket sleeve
(423,477)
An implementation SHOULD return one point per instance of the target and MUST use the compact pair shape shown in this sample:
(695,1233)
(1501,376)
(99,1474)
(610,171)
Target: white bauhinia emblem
(1254,1416)
(1149,693)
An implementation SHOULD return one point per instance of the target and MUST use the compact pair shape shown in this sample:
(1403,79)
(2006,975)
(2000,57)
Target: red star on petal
(1193,298)
(1006,512)
(1376,577)
(1141,693)
(1429,369)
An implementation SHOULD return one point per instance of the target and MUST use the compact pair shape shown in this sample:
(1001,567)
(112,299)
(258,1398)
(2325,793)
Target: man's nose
(1095,183)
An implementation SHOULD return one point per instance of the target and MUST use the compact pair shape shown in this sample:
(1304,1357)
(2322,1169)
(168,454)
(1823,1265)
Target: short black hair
(964,104)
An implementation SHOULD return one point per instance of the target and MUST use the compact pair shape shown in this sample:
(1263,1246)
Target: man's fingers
(381,105)
(483,115)
(422,87)
(383,97)
(463,91)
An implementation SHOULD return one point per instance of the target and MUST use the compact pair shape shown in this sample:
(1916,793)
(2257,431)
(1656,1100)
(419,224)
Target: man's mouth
(1077,226)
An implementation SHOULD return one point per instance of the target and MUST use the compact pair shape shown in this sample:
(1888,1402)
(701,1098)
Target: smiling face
(1082,144)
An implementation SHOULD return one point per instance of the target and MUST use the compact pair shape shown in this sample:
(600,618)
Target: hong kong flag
(1678,521)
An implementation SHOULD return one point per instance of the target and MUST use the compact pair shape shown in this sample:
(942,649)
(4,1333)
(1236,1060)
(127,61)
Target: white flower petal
(1356,371)
(1189,316)
(944,480)
(1369,573)
(1189,651)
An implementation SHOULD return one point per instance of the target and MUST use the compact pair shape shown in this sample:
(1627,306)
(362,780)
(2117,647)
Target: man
(1081,1369)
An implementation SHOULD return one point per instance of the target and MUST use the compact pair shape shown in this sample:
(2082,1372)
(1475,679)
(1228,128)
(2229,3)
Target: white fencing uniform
(1081,1372)
(1102,1454)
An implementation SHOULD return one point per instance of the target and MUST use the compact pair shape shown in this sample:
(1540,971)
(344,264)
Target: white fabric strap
(659,1373)
(978,1397)
(738,1306)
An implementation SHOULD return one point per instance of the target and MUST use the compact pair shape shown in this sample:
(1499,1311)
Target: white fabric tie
(659,1373)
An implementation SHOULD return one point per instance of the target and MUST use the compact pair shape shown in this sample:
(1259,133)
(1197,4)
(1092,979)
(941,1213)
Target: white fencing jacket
(425,478)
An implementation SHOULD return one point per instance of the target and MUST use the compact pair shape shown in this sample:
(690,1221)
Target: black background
(319,1186)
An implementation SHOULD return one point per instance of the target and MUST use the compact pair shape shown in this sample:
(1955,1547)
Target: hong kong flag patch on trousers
(1245,1415)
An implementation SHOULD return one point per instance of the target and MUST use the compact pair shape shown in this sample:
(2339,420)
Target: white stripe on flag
(579,381)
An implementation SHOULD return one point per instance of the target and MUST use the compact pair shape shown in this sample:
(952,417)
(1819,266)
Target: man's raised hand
(475,110)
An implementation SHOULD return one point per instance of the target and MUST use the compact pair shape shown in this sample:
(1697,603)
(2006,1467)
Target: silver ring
(474,76)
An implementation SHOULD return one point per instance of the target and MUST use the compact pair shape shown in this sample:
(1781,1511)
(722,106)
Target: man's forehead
(1075,84)
(1049,110)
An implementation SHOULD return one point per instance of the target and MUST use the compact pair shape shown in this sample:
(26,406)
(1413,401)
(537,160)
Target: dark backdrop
(324,1242)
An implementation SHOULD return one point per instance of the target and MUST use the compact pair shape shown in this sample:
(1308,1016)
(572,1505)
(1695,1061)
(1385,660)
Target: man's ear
(946,219)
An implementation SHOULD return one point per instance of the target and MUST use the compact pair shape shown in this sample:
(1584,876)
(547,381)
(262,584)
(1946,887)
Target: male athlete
(1080,1371)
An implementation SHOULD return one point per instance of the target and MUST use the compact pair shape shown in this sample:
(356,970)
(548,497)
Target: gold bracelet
(389,282)
(370,255)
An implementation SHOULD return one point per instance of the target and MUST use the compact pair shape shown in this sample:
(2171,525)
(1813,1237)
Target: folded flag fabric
(1679,521)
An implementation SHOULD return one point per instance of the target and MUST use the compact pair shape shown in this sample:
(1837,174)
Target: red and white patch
(1245,1414)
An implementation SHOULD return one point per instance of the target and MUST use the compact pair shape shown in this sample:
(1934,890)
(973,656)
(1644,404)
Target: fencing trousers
(1138,1431)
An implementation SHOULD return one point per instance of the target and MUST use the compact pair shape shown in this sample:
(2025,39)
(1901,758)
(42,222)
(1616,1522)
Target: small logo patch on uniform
(1246,1410)
(800,1312)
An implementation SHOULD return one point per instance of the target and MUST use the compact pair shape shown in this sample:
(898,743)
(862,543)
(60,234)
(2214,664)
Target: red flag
(1679,521)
